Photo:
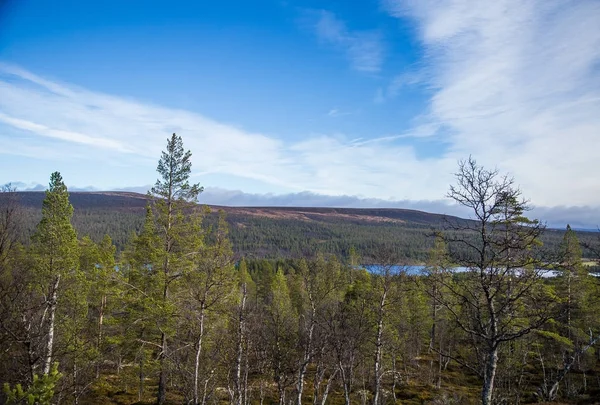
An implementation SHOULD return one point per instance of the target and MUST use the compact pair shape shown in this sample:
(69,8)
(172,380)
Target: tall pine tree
(172,195)
(55,249)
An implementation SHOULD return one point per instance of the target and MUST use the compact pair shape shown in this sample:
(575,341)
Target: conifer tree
(577,329)
(97,262)
(142,298)
(55,249)
(172,195)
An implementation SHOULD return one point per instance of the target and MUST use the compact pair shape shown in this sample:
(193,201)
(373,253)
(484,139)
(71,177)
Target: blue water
(375,268)
(416,270)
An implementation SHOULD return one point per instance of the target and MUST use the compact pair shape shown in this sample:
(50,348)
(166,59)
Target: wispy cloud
(398,84)
(69,136)
(364,49)
(336,112)
(516,83)
(44,118)
(557,217)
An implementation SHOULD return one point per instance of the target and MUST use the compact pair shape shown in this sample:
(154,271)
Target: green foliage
(40,392)
(175,168)
(556,337)
(54,242)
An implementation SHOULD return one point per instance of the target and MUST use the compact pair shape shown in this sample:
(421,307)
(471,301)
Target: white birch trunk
(51,323)
(240,349)
(198,352)
(307,357)
(378,344)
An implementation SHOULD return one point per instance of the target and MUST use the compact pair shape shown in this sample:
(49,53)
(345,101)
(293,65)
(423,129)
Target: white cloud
(46,119)
(336,112)
(516,83)
(398,84)
(364,49)
(61,134)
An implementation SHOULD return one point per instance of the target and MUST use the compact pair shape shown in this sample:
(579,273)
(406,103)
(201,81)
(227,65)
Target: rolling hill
(268,232)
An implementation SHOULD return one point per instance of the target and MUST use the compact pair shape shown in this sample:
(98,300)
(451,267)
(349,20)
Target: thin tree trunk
(434,311)
(205,391)
(438,383)
(30,358)
(394,377)
(281,390)
(307,357)
(162,378)
(567,367)
(262,392)
(100,323)
(198,352)
(75,390)
(240,348)
(141,385)
(245,401)
(317,385)
(319,377)
(328,387)
(489,376)
(345,383)
(378,344)
(51,323)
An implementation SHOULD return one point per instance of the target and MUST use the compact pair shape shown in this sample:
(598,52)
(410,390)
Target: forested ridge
(122,298)
(274,232)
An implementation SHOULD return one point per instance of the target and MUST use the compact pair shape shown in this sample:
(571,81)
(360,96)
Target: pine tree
(577,329)
(172,195)
(142,302)
(40,392)
(97,262)
(55,249)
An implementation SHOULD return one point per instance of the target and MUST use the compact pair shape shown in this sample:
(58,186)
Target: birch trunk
(378,344)
(51,323)
(489,376)
(328,387)
(307,357)
(240,349)
(198,352)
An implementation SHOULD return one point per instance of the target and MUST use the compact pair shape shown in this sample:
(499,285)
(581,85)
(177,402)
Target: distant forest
(276,232)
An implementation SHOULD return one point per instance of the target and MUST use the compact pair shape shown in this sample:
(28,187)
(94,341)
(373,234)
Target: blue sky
(373,100)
